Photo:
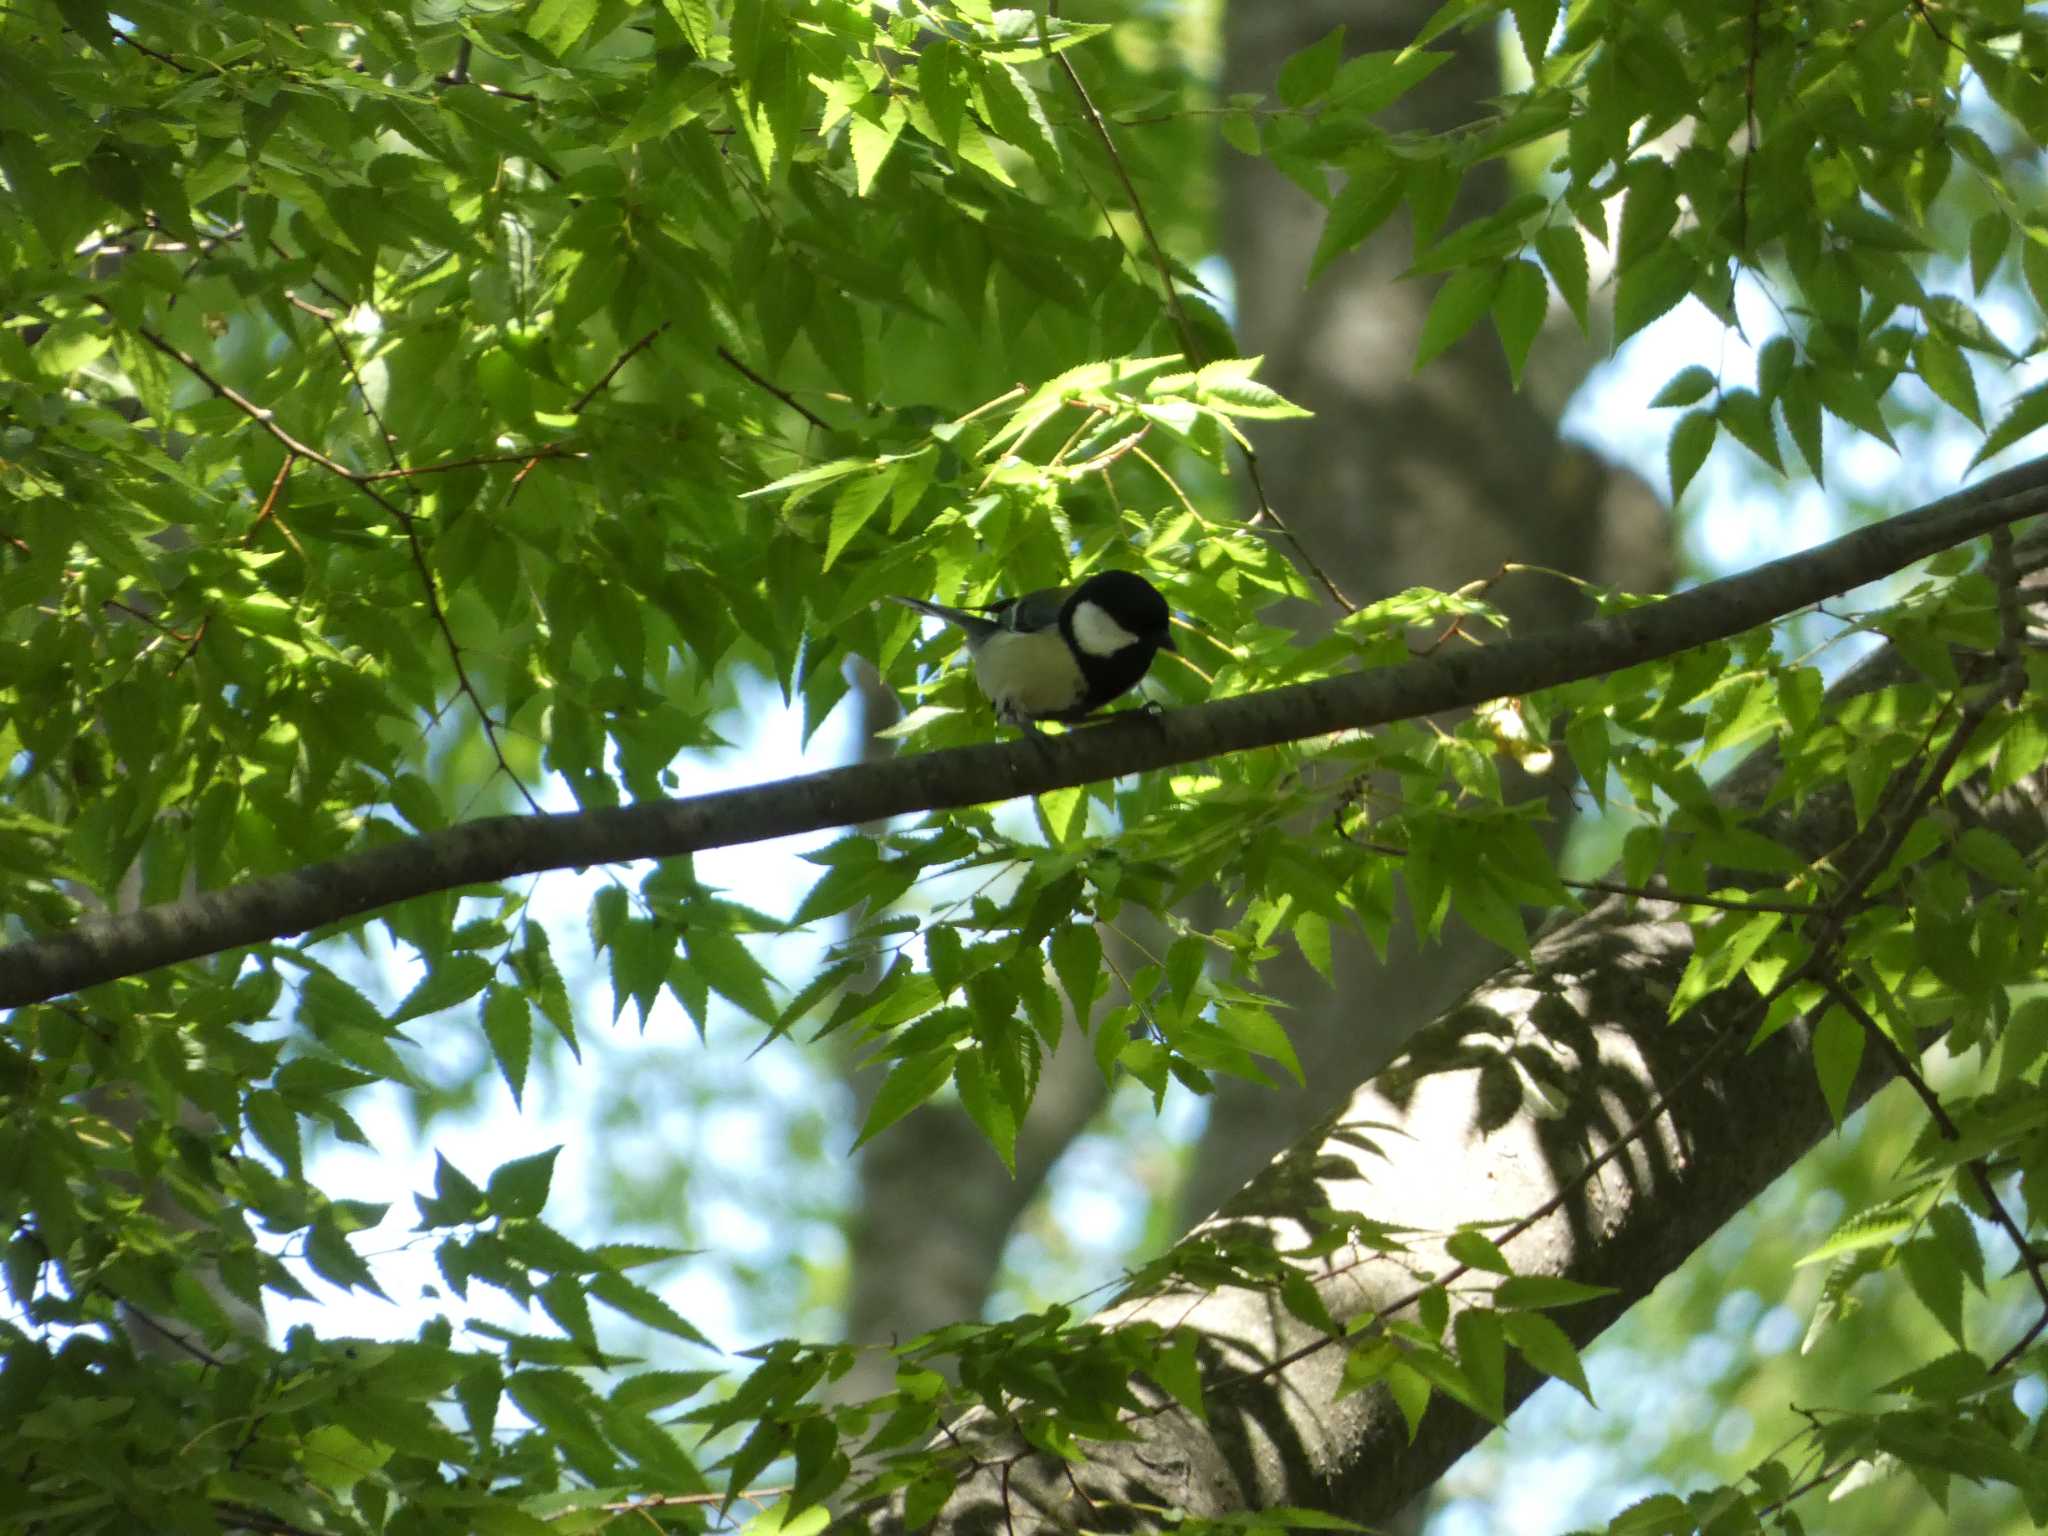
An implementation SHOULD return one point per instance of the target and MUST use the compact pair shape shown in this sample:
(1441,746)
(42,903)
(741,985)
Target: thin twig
(755,1496)
(625,357)
(430,589)
(2030,1257)
(205,1357)
(779,393)
(1190,343)
(475,461)
(1268,513)
(1616,888)
(148,618)
(127,39)
(268,511)
(577,406)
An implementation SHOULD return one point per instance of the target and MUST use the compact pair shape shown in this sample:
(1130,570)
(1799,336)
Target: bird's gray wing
(1035,610)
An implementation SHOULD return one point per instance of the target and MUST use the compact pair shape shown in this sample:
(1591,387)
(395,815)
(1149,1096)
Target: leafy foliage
(405,407)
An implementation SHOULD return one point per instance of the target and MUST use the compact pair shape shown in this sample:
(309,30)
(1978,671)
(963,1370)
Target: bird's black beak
(1166,642)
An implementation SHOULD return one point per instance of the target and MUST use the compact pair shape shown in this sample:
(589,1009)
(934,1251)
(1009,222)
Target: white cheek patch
(1028,675)
(1097,633)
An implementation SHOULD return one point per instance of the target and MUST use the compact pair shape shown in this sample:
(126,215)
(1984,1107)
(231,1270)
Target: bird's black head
(1131,604)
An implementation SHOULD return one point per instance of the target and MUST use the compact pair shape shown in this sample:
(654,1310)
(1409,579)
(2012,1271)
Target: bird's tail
(973,623)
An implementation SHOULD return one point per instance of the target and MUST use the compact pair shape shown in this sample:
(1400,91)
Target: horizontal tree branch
(104,948)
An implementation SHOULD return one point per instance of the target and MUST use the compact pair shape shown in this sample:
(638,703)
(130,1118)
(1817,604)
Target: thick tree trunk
(1558,1097)
(1401,480)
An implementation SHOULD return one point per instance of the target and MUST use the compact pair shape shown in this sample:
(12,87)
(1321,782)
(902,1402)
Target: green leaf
(1063,815)
(1689,384)
(1989,237)
(696,21)
(1464,297)
(2025,416)
(1308,74)
(857,503)
(1800,405)
(1410,1390)
(1372,82)
(1937,1280)
(520,1187)
(909,1083)
(1652,287)
(1535,21)
(1478,1250)
(872,136)
(452,981)
(1482,1357)
(717,956)
(1647,213)
(643,1306)
(508,1029)
(1745,417)
(559,24)
(1077,962)
(1544,1345)
(1849,397)
(1519,305)
(1691,440)
(982,1097)
(1371,192)
(1536,1292)
(2034,263)
(1563,250)
(276,1125)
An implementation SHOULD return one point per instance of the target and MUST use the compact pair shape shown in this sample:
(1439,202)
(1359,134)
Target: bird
(1063,652)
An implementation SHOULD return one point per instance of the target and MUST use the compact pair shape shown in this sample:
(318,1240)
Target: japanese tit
(1064,652)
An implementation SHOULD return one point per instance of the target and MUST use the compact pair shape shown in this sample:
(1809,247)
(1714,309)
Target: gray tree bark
(1557,1105)
(1400,480)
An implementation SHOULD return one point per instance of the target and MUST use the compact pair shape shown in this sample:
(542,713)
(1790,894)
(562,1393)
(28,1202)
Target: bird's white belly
(1028,675)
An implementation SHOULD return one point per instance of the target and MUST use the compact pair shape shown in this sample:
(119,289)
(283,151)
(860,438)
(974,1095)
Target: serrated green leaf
(1652,287)
(1535,21)
(453,981)
(730,969)
(2025,416)
(508,1030)
(1371,192)
(1542,1291)
(520,1187)
(982,1096)
(1544,1345)
(1476,1249)
(1838,1051)
(1563,250)
(1689,384)
(871,136)
(1077,962)
(1410,1390)
(853,508)
(642,1305)
(1989,237)
(1519,305)
(1745,417)
(560,24)
(909,1083)
(1691,440)
(1307,74)
(1464,297)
